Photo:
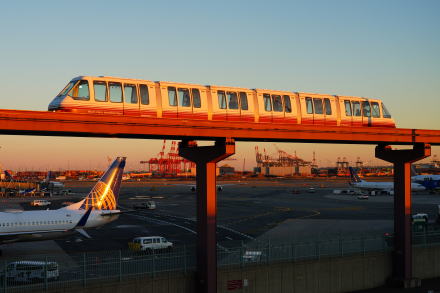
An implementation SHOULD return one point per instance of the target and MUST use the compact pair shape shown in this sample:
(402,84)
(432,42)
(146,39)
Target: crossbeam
(45,123)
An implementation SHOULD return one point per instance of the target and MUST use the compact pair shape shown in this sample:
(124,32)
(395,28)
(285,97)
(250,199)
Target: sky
(386,49)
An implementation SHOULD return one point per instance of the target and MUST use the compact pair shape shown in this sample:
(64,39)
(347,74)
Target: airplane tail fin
(413,171)
(48,177)
(104,195)
(8,176)
(354,176)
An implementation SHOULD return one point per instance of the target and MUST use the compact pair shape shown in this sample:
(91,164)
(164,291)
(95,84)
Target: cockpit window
(80,91)
(385,112)
(67,88)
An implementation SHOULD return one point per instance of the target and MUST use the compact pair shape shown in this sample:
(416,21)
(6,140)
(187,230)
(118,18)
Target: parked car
(150,243)
(40,203)
(31,271)
(150,205)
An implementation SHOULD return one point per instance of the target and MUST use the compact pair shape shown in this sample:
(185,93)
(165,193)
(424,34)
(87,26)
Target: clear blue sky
(387,49)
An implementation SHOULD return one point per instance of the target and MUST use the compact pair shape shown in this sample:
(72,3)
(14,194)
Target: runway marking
(315,213)
(172,224)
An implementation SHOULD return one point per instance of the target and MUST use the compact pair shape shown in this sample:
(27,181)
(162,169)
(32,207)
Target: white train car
(145,98)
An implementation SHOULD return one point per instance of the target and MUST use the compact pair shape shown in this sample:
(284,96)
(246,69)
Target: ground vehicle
(27,271)
(134,97)
(40,203)
(150,205)
(252,256)
(150,243)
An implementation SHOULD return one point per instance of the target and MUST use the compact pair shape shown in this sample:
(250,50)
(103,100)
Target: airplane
(51,184)
(385,187)
(419,178)
(98,208)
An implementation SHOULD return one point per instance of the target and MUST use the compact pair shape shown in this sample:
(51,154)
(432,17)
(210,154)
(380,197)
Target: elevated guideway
(14,122)
(84,125)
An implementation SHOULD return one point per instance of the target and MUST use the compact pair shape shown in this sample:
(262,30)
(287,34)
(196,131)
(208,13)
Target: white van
(150,243)
(40,202)
(27,271)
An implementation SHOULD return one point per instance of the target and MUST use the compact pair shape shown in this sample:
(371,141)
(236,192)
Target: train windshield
(67,88)
(385,112)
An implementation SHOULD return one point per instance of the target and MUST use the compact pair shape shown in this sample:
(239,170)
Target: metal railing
(37,274)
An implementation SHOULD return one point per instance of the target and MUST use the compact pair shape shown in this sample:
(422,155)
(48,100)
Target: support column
(206,158)
(402,253)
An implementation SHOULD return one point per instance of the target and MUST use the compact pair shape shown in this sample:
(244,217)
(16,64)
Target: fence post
(317,250)
(120,265)
(341,246)
(45,274)
(241,255)
(5,278)
(184,258)
(84,270)
(363,244)
(153,263)
(268,251)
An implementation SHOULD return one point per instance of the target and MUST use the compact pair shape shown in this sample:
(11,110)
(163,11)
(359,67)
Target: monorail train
(134,97)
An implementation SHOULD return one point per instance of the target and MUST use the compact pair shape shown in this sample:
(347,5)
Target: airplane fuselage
(46,224)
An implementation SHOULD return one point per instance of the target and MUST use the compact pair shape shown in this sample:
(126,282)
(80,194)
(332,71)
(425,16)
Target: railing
(81,270)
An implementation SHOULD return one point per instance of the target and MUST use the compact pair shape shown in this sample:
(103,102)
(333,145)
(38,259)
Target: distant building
(226,170)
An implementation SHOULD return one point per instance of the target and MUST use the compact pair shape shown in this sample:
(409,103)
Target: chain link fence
(50,272)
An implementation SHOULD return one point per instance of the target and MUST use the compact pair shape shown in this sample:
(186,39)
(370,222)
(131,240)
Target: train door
(148,104)
(306,110)
(366,113)
(345,111)
(184,103)
(233,109)
(219,104)
(290,114)
(277,109)
(246,106)
(318,111)
(169,100)
(131,99)
(330,111)
(264,107)
(115,97)
(199,103)
(356,120)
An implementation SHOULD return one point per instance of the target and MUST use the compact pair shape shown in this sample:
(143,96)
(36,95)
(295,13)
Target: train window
(309,105)
(100,88)
(67,88)
(221,99)
(347,107)
(130,94)
(328,106)
(196,98)
(81,91)
(366,109)
(267,103)
(184,98)
(317,103)
(356,108)
(277,103)
(145,97)
(375,111)
(385,112)
(115,92)
(232,100)
(287,104)
(243,101)
(172,96)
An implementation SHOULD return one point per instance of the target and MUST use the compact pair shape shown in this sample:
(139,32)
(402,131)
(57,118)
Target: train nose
(55,104)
